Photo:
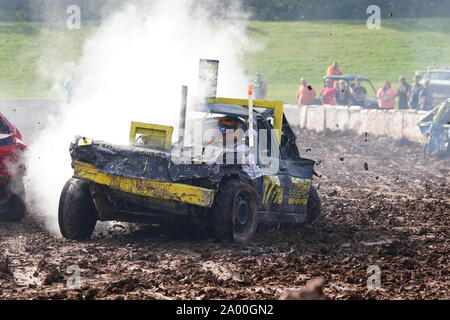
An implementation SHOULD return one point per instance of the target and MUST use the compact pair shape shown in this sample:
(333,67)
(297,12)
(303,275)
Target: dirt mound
(312,291)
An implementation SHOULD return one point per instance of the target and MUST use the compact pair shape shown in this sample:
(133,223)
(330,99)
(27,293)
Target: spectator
(359,93)
(305,93)
(342,95)
(328,93)
(333,69)
(259,88)
(426,97)
(414,93)
(402,93)
(386,96)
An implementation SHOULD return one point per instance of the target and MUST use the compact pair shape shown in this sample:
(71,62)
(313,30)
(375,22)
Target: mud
(384,205)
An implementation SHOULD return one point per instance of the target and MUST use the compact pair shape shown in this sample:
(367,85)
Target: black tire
(441,155)
(313,207)
(234,212)
(77,215)
(16,209)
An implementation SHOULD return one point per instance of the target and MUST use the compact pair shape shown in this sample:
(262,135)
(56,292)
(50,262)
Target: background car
(369,102)
(439,83)
(12,170)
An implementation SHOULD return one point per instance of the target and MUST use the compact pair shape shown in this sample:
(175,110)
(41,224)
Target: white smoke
(132,69)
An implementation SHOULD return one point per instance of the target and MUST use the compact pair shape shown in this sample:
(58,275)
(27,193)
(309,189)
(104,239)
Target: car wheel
(77,214)
(313,207)
(16,209)
(234,215)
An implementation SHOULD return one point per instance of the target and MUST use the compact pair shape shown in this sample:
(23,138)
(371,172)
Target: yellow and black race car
(153,181)
(233,166)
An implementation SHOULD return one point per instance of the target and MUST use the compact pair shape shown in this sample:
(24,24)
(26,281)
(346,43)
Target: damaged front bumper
(153,189)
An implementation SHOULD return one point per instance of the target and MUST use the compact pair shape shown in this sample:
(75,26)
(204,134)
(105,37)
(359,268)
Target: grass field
(25,48)
(291,50)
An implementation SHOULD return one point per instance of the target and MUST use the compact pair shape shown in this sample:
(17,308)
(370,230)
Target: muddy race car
(12,170)
(237,166)
(435,126)
(150,183)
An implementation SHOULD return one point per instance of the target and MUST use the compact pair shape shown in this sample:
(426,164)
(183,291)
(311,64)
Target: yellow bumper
(153,189)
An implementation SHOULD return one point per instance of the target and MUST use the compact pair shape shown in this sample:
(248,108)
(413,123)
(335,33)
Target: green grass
(30,50)
(305,49)
(291,50)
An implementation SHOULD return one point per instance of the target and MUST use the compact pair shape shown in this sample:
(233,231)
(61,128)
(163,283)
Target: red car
(12,171)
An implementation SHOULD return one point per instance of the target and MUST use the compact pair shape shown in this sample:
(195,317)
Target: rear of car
(12,170)
(149,181)
(439,83)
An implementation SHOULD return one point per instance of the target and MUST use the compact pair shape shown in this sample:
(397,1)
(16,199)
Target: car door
(299,172)
(275,179)
(287,191)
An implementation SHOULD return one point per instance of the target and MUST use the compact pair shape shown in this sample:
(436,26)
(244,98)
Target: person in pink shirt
(386,96)
(327,94)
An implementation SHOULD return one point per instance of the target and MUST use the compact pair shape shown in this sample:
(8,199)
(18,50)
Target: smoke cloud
(132,69)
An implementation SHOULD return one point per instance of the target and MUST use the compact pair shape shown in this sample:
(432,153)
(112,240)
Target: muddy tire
(77,215)
(314,206)
(16,209)
(446,153)
(233,214)
(441,155)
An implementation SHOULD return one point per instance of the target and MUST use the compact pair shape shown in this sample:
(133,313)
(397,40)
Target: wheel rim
(243,212)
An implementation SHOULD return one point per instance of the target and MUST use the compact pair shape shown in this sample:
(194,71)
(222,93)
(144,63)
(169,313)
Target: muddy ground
(384,205)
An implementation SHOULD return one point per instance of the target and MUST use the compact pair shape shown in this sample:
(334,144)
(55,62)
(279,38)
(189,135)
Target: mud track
(384,204)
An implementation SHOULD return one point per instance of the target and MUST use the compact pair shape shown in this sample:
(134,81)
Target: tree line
(273,10)
(345,9)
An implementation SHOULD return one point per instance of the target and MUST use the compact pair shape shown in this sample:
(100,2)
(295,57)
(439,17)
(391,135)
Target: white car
(440,84)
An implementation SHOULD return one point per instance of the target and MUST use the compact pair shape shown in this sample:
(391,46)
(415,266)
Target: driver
(230,124)
(233,129)
(227,125)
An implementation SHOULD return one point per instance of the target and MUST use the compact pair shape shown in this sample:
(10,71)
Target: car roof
(233,110)
(347,77)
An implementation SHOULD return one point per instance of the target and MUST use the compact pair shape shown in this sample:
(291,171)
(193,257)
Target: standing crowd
(415,96)
(338,92)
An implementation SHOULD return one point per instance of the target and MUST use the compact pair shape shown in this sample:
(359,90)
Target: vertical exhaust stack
(208,77)
(183,111)
(207,89)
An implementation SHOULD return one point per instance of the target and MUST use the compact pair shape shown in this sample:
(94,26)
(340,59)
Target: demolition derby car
(12,170)
(237,165)
(150,181)
(436,127)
